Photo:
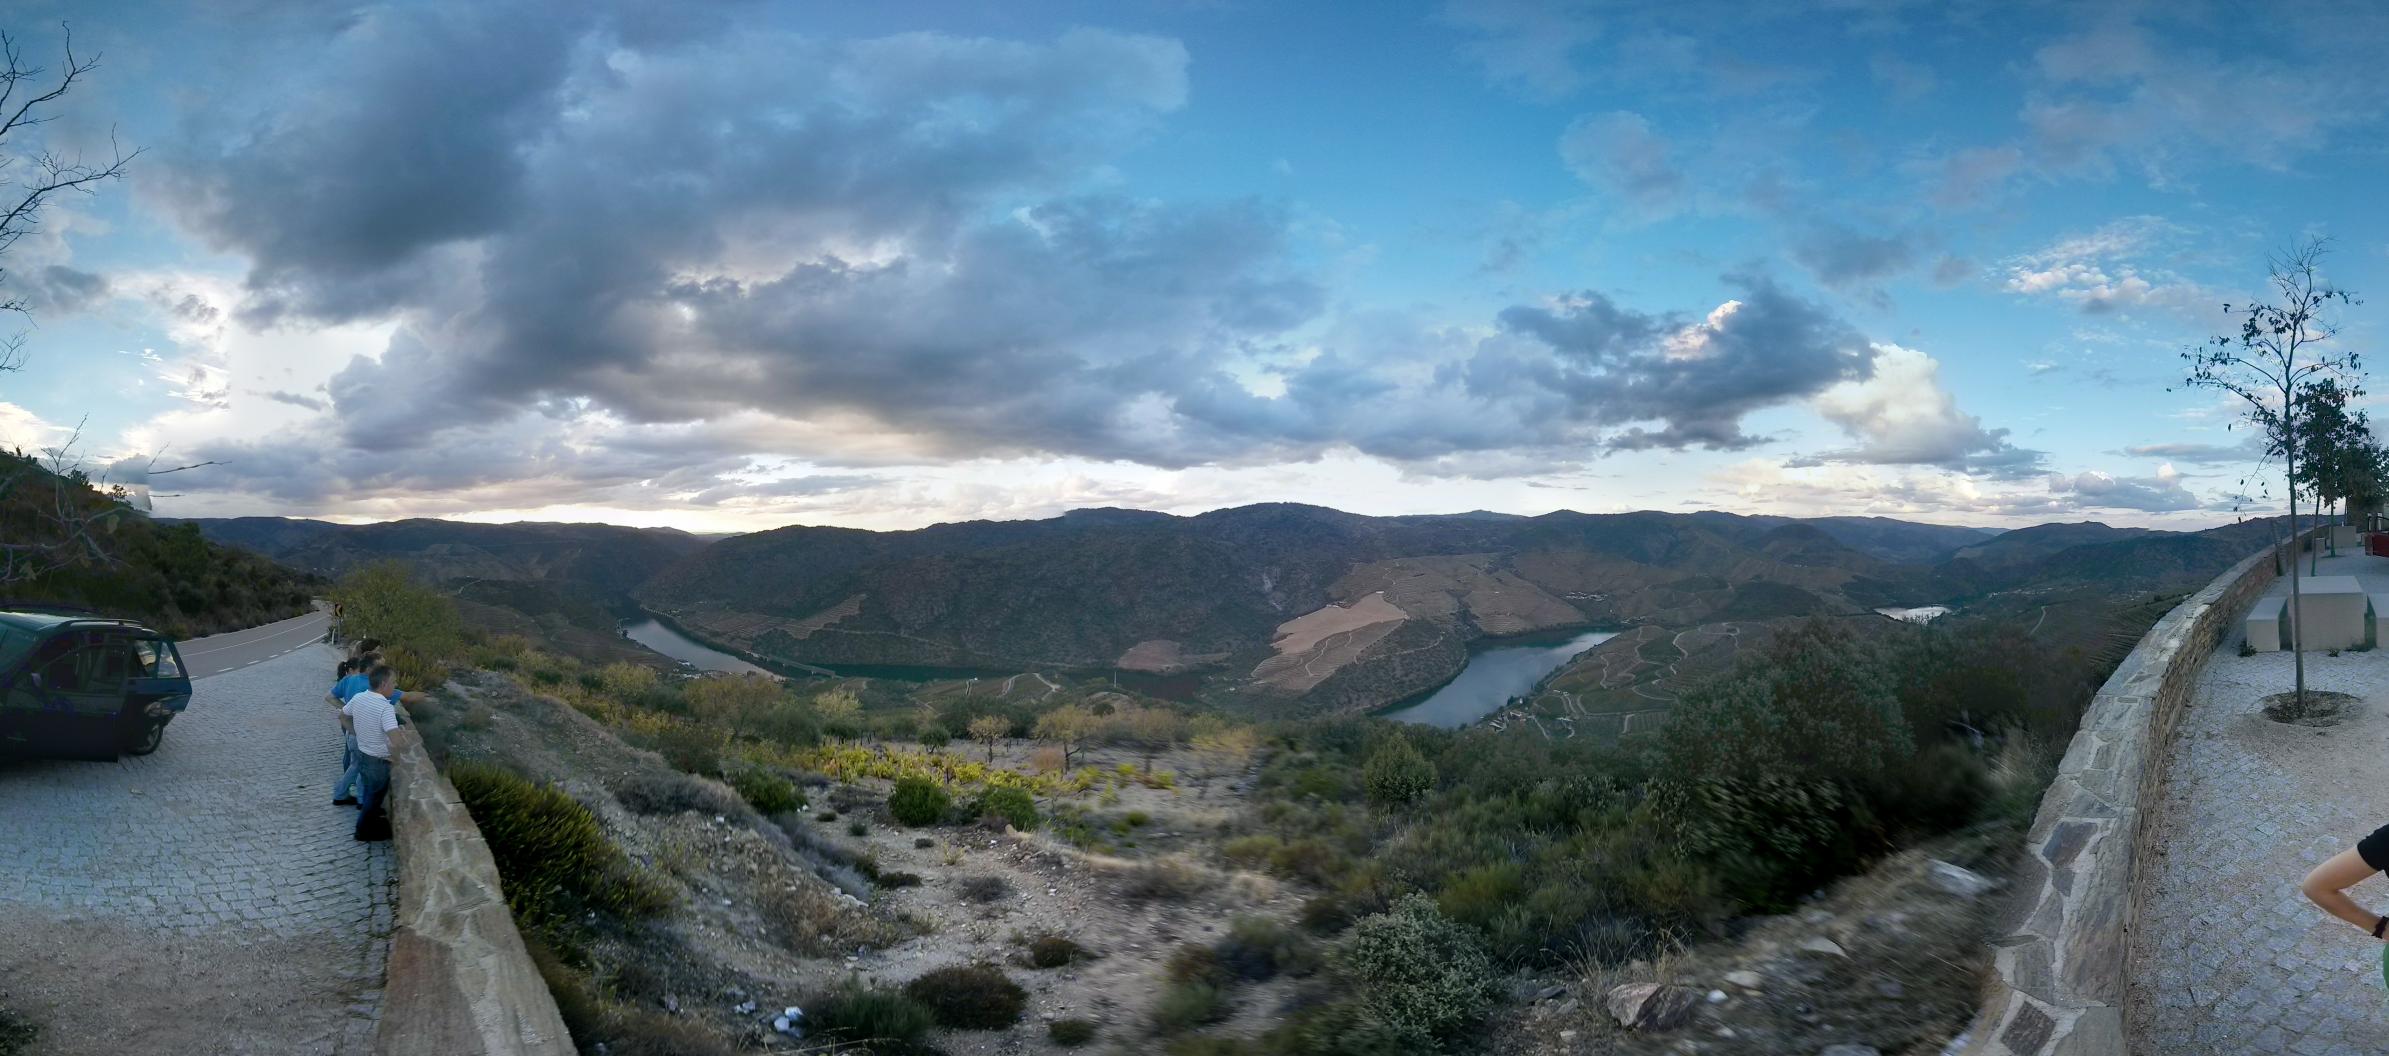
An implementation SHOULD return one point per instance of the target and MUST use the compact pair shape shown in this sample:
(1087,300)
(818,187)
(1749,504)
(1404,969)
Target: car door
(82,691)
(159,685)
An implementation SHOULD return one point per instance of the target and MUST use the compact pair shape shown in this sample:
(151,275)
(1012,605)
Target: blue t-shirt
(355,684)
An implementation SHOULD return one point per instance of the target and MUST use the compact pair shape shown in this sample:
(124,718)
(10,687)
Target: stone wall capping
(2058,983)
(461,982)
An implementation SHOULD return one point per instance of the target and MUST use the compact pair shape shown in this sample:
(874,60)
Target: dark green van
(87,687)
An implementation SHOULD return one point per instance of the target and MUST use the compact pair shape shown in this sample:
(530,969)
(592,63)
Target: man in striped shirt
(373,716)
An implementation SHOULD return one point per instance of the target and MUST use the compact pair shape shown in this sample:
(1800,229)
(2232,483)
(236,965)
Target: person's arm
(2327,887)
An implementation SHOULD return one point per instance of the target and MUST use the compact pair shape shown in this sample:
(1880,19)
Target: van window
(151,657)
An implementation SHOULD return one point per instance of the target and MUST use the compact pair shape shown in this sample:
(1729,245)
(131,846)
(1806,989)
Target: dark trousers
(374,775)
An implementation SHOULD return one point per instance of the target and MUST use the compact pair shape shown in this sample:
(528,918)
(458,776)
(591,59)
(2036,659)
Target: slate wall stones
(2058,986)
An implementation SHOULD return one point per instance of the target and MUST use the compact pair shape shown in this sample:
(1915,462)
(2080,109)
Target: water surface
(654,635)
(1492,678)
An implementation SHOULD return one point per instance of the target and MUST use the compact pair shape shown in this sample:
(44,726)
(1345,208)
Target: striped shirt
(374,717)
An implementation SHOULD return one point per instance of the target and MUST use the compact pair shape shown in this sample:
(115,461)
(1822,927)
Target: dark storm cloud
(1695,379)
(1842,256)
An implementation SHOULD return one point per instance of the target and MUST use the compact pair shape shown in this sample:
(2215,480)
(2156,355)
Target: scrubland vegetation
(1428,869)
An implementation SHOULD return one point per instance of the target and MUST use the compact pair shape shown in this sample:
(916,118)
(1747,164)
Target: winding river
(1492,678)
(654,635)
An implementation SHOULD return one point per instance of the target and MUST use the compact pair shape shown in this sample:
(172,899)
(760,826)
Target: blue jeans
(349,786)
(373,777)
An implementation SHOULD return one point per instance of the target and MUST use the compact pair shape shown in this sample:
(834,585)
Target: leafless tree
(50,513)
(2282,350)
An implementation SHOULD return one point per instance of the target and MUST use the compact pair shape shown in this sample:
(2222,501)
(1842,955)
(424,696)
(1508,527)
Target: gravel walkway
(204,899)
(2230,958)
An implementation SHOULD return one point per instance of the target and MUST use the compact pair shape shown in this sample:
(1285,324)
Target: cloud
(1902,415)
(2199,453)
(1694,379)
(1907,81)
(1529,45)
(1843,256)
(1618,152)
(2098,274)
(2161,493)
(23,430)
(296,400)
(1972,175)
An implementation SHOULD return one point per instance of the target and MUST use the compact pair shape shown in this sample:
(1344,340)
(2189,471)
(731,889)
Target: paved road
(207,898)
(2229,957)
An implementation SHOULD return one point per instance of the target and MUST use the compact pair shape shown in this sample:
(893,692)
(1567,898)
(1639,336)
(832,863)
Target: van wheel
(145,737)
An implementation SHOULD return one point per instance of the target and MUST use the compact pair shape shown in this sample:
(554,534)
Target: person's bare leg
(2327,886)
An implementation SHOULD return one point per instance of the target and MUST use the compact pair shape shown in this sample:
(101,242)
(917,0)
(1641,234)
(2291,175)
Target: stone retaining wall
(461,982)
(2058,986)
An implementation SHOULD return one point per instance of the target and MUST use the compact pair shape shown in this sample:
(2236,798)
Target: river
(1492,678)
(671,643)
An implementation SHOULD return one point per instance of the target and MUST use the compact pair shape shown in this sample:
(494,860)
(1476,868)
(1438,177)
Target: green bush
(1014,805)
(857,829)
(668,793)
(969,996)
(1259,948)
(1071,1033)
(554,860)
(983,888)
(917,801)
(769,793)
(1417,970)
(689,749)
(1185,1006)
(1055,951)
(860,1014)
(1396,773)
(16,1035)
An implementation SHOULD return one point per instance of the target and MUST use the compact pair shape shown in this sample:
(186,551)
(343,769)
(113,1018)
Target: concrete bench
(2264,624)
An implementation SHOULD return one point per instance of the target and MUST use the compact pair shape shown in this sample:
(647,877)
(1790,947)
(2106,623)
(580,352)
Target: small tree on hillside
(2337,457)
(419,627)
(1069,727)
(1396,773)
(988,730)
(2281,351)
(733,704)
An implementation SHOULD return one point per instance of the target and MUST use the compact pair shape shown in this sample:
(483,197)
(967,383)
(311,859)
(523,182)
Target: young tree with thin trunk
(2281,352)
(988,730)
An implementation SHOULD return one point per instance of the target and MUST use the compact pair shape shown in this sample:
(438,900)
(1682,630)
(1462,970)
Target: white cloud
(1903,415)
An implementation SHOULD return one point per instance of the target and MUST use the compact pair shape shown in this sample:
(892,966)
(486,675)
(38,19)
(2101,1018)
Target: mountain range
(1278,606)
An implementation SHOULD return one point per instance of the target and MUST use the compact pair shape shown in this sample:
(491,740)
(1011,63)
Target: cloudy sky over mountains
(729,266)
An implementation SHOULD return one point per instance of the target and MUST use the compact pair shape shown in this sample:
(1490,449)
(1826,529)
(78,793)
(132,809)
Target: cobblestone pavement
(224,839)
(2229,957)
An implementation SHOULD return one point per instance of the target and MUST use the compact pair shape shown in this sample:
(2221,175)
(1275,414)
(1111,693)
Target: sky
(730,266)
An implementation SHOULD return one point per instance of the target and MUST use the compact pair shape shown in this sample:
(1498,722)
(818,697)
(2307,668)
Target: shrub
(1251,852)
(1014,805)
(1071,1033)
(917,801)
(548,676)
(826,816)
(983,888)
(1185,1006)
(1055,951)
(899,879)
(858,1014)
(1138,819)
(923,843)
(767,792)
(969,996)
(16,1035)
(669,793)
(1417,970)
(1164,880)
(1259,948)
(857,829)
(688,748)
(1196,963)
(1396,773)
(554,860)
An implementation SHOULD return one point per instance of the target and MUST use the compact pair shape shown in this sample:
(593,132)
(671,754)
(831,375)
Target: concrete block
(2264,625)
(2328,613)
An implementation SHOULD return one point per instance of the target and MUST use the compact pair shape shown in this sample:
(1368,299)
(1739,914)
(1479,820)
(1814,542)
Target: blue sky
(740,265)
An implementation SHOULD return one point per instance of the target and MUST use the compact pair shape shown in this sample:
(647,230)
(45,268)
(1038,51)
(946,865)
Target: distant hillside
(165,575)
(562,581)
(1273,602)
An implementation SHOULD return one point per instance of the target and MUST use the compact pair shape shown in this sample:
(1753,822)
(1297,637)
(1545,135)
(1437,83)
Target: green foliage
(1185,1006)
(1071,1033)
(17,1036)
(869,1014)
(918,801)
(673,793)
(1396,773)
(969,996)
(1821,707)
(555,862)
(1055,951)
(1014,805)
(1260,948)
(1418,971)
(688,748)
(419,628)
(857,829)
(769,793)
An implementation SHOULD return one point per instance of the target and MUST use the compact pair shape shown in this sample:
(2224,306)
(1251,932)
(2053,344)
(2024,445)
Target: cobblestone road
(2230,958)
(222,851)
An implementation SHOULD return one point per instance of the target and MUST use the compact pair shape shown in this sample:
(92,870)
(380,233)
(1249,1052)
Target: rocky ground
(770,917)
